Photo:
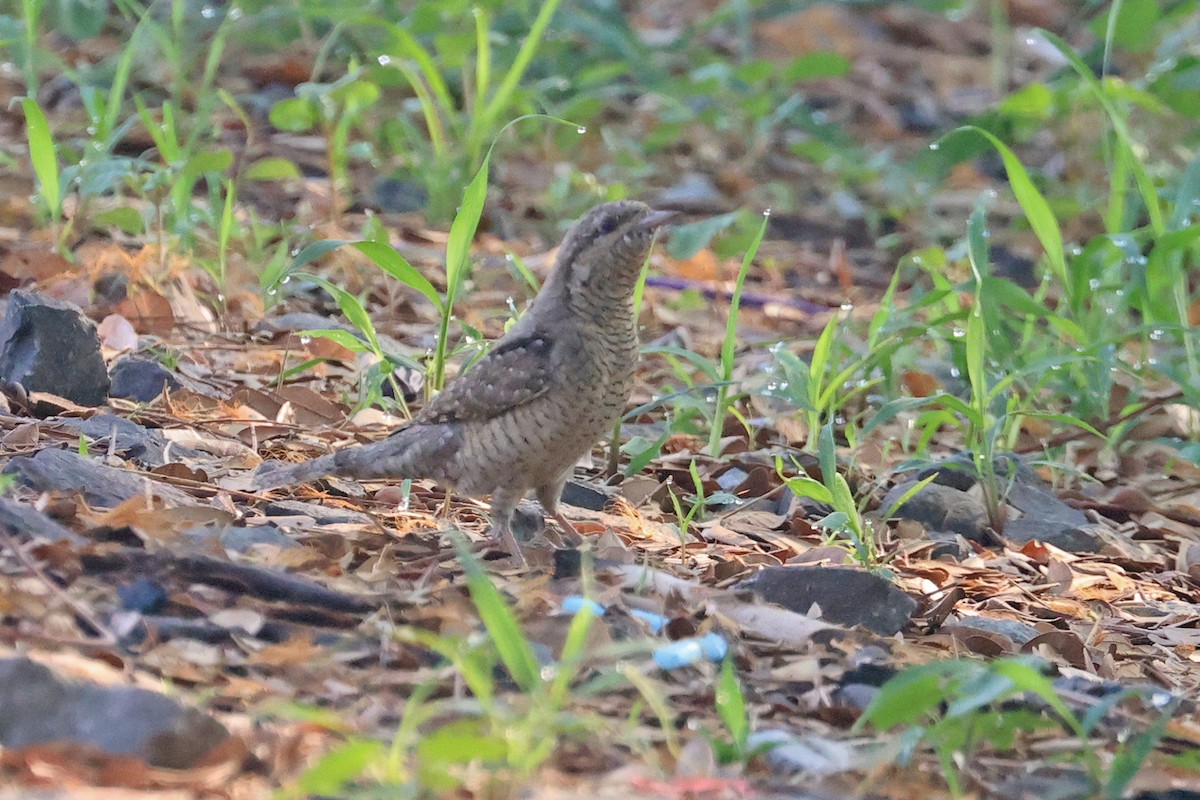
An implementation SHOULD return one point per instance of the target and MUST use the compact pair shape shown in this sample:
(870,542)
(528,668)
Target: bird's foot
(574,537)
(504,535)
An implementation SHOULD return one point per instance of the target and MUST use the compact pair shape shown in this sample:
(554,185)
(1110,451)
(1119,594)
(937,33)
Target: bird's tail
(413,452)
(274,474)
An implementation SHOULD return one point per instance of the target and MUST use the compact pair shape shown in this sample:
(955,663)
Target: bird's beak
(655,220)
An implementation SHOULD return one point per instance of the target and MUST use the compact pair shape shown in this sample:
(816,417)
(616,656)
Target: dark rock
(942,508)
(146,447)
(947,544)
(856,695)
(47,345)
(1032,500)
(36,708)
(56,470)
(1052,532)
(1018,632)
(846,596)
(26,522)
(1169,794)
(568,563)
(527,522)
(305,321)
(955,472)
(1017,268)
(920,117)
(140,379)
(400,196)
(946,505)
(787,753)
(584,495)
(143,595)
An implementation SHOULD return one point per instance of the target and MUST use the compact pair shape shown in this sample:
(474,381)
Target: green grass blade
(483,60)
(352,308)
(731,705)
(1033,203)
(729,344)
(410,48)
(41,153)
(508,85)
(429,109)
(462,231)
(572,650)
(501,623)
(1117,120)
(819,363)
(388,259)
(116,92)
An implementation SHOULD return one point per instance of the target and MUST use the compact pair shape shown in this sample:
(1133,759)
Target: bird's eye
(608,225)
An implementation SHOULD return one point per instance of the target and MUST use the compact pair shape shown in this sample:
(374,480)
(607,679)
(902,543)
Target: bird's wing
(510,375)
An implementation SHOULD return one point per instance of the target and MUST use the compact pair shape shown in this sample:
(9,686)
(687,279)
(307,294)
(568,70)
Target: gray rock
(1018,632)
(1048,783)
(945,505)
(146,447)
(54,470)
(36,707)
(26,522)
(400,196)
(140,379)
(1053,532)
(584,495)
(847,596)
(47,345)
(942,508)
(323,515)
(694,191)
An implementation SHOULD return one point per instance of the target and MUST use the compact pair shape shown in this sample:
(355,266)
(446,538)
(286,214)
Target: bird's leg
(548,496)
(503,504)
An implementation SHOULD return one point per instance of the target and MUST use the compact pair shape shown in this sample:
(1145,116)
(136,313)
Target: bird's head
(605,249)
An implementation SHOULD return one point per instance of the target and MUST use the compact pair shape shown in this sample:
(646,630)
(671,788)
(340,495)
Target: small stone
(584,495)
(36,707)
(47,345)
(54,470)
(140,379)
(846,596)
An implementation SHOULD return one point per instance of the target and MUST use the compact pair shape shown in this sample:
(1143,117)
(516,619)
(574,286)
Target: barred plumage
(541,398)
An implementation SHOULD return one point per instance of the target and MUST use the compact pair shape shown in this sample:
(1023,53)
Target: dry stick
(106,635)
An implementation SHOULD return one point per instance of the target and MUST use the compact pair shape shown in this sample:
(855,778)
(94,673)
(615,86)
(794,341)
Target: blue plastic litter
(685,652)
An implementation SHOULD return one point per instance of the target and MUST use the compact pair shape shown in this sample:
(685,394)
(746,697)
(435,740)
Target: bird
(539,399)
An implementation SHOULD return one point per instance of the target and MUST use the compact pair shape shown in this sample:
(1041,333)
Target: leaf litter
(143,556)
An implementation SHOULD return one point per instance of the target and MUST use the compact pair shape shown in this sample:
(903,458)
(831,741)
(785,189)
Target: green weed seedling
(700,501)
(846,521)
(334,109)
(441,743)
(459,131)
(729,343)
(731,708)
(384,256)
(44,156)
(960,707)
